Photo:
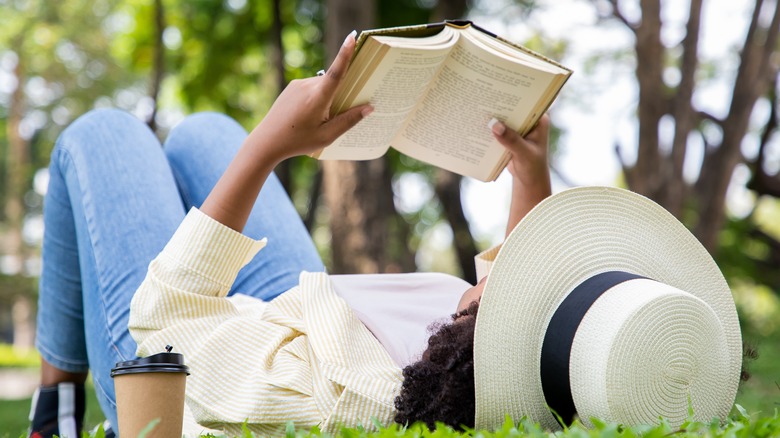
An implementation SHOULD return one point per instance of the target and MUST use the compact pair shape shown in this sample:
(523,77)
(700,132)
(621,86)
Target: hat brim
(563,241)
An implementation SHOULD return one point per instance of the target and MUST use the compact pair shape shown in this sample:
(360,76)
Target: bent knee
(203,130)
(106,130)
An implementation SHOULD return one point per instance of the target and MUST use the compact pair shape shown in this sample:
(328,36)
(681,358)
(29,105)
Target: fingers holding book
(330,80)
(529,154)
(299,122)
(528,166)
(333,76)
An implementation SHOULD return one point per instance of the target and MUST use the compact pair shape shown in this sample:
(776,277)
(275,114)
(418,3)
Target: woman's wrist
(537,187)
(531,172)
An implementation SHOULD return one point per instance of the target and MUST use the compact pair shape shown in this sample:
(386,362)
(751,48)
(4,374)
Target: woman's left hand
(299,122)
(529,167)
(529,162)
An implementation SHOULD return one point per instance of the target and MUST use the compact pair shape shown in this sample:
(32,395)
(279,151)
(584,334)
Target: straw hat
(601,303)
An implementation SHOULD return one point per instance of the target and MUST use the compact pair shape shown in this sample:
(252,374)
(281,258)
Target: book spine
(500,166)
(416,30)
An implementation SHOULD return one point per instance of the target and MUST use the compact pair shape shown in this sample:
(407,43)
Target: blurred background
(677,100)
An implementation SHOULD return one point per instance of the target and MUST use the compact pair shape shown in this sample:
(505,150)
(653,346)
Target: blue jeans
(115,198)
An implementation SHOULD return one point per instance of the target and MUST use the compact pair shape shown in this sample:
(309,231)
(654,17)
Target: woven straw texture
(568,238)
(643,350)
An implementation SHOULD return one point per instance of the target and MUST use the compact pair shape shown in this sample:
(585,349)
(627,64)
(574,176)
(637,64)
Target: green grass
(11,357)
(14,413)
(740,426)
(13,421)
(761,393)
(760,397)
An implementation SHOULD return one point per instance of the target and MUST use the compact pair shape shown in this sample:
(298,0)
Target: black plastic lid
(157,363)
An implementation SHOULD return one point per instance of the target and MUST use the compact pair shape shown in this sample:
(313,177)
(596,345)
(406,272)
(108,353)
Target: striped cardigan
(303,357)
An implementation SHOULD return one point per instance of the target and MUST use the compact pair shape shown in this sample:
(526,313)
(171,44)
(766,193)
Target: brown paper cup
(150,390)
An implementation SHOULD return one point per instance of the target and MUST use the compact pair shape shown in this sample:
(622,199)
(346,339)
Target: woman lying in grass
(267,344)
(147,246)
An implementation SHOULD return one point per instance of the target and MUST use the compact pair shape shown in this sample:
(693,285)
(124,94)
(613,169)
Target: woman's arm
(529,167)
(298,123)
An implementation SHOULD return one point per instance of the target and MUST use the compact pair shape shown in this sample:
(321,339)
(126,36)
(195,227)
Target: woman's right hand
(299,122)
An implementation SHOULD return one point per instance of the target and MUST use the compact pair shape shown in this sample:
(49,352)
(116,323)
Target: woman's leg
(111,206)
(199,150)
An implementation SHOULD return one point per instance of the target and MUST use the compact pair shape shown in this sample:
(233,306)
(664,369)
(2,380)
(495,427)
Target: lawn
(760,397)
(13,414)
(761,393)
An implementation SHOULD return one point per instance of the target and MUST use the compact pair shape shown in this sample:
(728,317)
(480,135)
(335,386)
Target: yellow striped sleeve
(180,297)
(303,357)
(210,253)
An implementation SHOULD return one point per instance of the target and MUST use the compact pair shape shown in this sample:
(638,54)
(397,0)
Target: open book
(434,88)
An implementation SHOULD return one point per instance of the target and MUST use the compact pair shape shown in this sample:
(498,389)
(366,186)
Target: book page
(514,51)
(449,127)
(393,88)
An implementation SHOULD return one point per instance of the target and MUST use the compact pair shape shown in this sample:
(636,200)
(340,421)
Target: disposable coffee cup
(151,390)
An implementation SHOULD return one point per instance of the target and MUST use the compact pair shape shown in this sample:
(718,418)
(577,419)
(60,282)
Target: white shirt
(399,308)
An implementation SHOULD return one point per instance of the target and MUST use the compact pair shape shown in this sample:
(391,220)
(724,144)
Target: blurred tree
(358,194)
(233,57)
(367,233)
(158,63)
(371,227)
(447,184)
(743,247)
(658,171)
(57,56)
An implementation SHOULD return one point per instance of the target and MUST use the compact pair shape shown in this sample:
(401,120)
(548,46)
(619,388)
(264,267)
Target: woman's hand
(299,122)
(529,162)
(529,166)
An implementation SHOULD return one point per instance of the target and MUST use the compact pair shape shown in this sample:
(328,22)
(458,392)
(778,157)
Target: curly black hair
(440,387)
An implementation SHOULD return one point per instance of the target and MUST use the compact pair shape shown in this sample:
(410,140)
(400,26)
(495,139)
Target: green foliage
(749,254)
(149,428)
(64,51)
(100,432)
(14,422)
(12,286)
(220,58)
(742,425)
(58,52)
(11,357)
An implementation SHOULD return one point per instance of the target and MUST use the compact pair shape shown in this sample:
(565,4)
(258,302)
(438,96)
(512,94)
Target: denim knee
(187,135)
(106,124)
(199,149)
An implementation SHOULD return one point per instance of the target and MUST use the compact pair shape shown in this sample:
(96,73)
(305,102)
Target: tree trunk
(645,176)
(18,167)
(355,192)
(158,67)
(315,193)
(674,186)
(447,184)
(661,177)
(761,181)
(448,191)
(754,75)
(277,56)
(450,10)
